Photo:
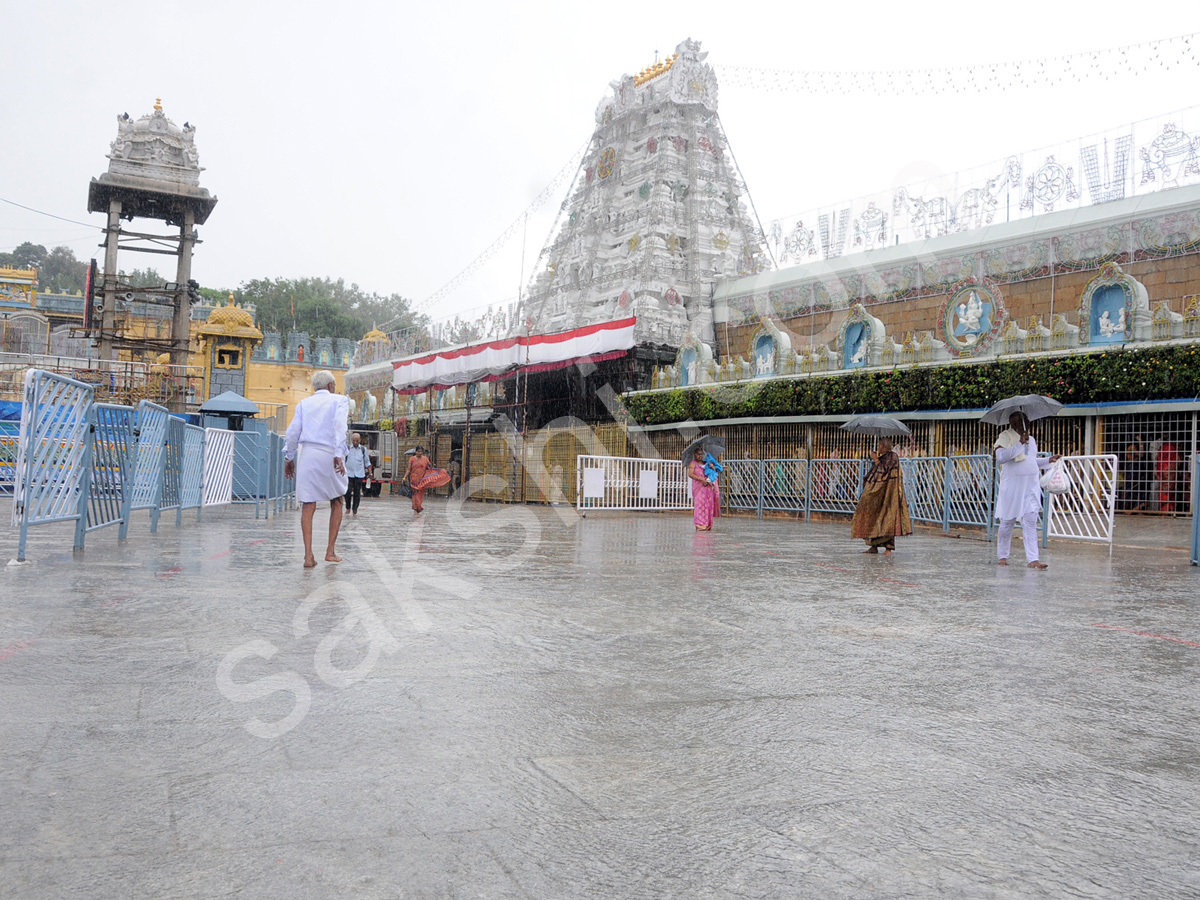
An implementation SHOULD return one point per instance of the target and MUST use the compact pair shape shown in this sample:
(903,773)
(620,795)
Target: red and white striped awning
(494,359)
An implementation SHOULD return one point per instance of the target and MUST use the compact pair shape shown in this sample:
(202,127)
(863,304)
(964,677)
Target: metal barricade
(741,485)
(785,485)
(9,434)
(970,493)
(113,449)
(169,498)
(191,472)
(218,467)
(53,453)
(1196,510)
(249,471)
(614,482)
(835,485)
(1087,511)
(925,488)
(150,427)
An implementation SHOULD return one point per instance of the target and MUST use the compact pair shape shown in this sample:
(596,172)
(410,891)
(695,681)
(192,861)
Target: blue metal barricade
(150,426)
(9,439)
(925,488)
(191,472)
(169,498)
(53,453)
(741,485)
(835,485)
(250,470)
(970,494)
(784,486)
(112,455)
(1196,510)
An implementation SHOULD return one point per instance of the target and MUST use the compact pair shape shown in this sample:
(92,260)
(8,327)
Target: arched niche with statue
(1114,308)
(860,339)
(694,361)
(769,347)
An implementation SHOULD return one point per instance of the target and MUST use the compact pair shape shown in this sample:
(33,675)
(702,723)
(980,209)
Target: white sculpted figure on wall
(1108,326)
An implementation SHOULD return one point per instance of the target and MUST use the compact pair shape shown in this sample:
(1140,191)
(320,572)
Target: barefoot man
(319,430)
(1020,497)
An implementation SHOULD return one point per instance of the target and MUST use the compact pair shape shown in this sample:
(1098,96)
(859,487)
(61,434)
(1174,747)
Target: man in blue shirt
(358,468)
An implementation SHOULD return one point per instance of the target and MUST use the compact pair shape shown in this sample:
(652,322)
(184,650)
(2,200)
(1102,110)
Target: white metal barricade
(1087,511)
(53,453)
(218,467)
(621,482)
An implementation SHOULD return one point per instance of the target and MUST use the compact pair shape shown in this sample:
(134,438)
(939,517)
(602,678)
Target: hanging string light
(1131,59)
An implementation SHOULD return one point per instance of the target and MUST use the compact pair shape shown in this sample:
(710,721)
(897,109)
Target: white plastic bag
(1055,479)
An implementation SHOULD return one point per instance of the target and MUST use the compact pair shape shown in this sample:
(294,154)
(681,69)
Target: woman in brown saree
(882,511)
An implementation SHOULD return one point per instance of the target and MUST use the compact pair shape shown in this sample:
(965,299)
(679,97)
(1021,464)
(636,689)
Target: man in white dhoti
(1020,496)
(318,430)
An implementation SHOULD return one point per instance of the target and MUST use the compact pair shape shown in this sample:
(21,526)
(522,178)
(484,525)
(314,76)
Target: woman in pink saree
(706,499)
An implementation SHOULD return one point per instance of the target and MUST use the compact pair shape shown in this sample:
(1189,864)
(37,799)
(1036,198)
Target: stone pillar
(108,314)
(180,334)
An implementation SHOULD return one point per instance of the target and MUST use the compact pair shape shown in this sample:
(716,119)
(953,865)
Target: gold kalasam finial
(158,104)
(230,301)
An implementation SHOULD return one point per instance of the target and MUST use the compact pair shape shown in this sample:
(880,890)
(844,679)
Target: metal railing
(945,491)
(1087,511)
(614,482)
(95,464)
(53,454)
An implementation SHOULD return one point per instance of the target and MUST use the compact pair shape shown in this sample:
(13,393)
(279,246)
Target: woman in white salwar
(1020,496)
(318,431)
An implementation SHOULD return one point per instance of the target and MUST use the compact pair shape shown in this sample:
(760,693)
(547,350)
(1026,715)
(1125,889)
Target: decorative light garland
(1131,59)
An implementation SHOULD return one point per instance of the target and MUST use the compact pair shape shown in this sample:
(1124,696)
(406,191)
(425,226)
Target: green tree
(61,273)
(143,278)
(324,307)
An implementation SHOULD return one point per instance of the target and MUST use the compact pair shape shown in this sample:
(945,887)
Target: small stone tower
(227,339)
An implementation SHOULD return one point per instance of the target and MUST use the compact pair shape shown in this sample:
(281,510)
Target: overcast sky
(390,143)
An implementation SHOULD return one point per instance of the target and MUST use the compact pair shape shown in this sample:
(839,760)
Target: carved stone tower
(655,216)
(153,173)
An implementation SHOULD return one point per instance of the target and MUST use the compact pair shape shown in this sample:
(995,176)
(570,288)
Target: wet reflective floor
(502,702)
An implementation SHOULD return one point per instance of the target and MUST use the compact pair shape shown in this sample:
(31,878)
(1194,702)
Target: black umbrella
(1034,406)
(879,426)
(709,443)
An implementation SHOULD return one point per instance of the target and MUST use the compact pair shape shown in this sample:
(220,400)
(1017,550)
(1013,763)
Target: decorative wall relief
(1088,249)
(972,318)
(1168,235)
(1017,261)
(944,272)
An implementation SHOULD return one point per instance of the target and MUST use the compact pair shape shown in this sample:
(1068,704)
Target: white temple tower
(655,216)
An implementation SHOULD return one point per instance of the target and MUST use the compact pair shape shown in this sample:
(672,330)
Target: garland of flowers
(1142,374)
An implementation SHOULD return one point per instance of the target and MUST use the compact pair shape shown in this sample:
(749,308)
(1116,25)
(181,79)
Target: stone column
(183,307)
(108,313)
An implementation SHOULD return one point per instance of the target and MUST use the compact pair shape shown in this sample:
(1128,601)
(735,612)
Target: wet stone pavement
(502,702)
